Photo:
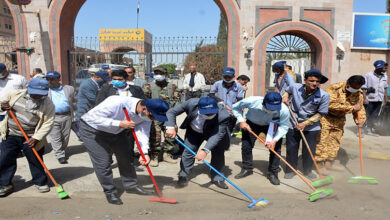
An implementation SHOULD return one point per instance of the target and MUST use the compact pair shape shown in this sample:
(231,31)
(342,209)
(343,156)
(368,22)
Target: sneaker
(166,157)
(43,189)
(311,176)
(6,190)
(289,175)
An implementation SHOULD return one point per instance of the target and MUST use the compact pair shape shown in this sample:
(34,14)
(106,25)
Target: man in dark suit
(205,121)
(119,87)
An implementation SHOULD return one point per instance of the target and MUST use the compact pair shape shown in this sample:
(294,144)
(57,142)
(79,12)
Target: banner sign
(121,34)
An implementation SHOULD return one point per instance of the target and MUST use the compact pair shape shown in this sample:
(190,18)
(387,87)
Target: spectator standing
(132,79)
(63,97)
(243,80)
(107,68)
(194,83)
(282,79)
(37,73)
(375,93)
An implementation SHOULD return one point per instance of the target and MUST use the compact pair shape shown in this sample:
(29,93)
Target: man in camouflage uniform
(167,91)
(345,98)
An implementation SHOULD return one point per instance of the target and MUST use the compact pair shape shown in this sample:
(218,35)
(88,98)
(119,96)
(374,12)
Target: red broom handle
(361,145)
(142,154)
(284,161)
(33,148)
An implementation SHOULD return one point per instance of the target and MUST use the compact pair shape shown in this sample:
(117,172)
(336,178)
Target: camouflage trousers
(155,140)
(329,138)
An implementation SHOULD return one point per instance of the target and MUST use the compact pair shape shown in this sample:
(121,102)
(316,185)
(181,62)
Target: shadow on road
(67,174)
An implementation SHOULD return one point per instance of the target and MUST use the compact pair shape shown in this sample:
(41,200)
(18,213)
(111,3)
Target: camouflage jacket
(168,92)
(341,102)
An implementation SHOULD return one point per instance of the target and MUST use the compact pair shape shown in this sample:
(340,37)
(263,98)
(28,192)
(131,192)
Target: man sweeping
(105,131)
(35,113)
(261,111)
(308,103)
(205,121)
(345,98)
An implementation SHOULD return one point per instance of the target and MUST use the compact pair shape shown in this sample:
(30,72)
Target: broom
(322,180)
(259,203)
(161,198)
(61,192)
(316,194)
(361,178)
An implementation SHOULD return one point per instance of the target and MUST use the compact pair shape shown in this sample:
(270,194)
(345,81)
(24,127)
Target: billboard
(121,34)
(371,31)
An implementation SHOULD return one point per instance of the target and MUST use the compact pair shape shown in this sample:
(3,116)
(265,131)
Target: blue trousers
(10,149)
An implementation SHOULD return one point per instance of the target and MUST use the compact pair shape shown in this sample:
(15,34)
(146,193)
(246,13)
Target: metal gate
(178,53)
(293,49)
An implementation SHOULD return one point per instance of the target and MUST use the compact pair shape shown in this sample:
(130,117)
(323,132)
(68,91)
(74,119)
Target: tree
(388,6)
(171,67)
(222,32)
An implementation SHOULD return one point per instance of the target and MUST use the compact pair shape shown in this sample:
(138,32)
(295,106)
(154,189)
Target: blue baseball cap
(53,74)
(379,64)
(38,86)
(273,101)
(316,73)
(103,74)
(106,66)
(228,71)
(158,108)
(278,65)
(207,105)
(2,67)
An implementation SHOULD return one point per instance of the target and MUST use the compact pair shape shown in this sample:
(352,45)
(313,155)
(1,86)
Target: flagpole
(137,13)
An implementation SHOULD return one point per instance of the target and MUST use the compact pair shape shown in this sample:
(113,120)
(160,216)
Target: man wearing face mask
(228,91)
(9,83)
(119,87)
(309,103)
(375,94)
(345,98)
(167,91)
(63,97)
(261,112)
(205,121)
(35,113)
(105,131)
(283,79)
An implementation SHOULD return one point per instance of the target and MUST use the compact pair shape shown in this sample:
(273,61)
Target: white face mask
(352,90)
(208,117)
(231,81)
(143,117)
(159,78)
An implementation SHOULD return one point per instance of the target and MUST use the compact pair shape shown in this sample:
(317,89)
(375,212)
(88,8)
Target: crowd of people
(45,107)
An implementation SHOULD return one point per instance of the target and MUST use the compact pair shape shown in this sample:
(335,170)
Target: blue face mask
(118,84)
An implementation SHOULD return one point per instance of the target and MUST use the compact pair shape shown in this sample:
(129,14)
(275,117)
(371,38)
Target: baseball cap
(106,66)
(161,69)
(53,74)
(273,101)
(228,71)
(38,86)
(316,73)
(379,64)
(2,67)
(103,74)
(278,65)
(158,108)
(207,105)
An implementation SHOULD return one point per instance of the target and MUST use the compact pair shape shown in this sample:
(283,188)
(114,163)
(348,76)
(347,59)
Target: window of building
(6,26)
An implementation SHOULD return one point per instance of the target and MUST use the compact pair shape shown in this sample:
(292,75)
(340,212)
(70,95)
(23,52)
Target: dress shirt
(379,83)
(59,100)
(125,91)
(11,83)
(108,115)
(229,95)
(198,123)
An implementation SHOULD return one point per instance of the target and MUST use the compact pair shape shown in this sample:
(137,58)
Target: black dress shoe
(243,174)
(113,199)
(62,160)
(221,184)
(273,178)
(139,190)
(182,182)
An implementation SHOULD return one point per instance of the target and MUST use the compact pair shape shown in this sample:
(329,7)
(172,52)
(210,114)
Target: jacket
(109,90)
(215,131)
(70,96)
(86,97)
(200,83)
(45,112)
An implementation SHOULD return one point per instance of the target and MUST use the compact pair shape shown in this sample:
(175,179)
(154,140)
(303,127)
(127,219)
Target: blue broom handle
(215,170)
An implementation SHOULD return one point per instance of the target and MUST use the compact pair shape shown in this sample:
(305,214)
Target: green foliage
(171,67)
(222,32)
(388,6)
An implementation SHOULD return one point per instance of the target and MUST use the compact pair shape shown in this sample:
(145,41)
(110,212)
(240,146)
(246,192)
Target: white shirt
(125,91)
(200,82)
(197,123)
(107,116)
(10,84)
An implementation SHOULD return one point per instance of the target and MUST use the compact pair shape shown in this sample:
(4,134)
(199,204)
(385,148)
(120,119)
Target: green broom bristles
(61,193)
(322,182)
(319,194)
(363,179)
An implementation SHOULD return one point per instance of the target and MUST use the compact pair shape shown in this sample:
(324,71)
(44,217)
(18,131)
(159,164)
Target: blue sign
(371,31)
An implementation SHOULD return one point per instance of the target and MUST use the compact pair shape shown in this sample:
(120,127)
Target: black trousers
(248,142)
(195,94)
(10,148)
(293,139)
(372,112)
